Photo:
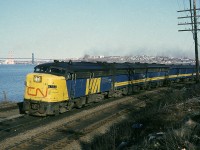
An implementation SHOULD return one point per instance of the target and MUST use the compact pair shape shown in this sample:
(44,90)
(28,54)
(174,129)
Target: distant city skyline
(71,29)
(108,59)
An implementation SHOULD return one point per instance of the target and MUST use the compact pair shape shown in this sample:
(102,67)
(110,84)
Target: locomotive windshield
(50,70)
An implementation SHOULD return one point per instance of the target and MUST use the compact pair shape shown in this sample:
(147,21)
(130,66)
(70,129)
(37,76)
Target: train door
(71,85)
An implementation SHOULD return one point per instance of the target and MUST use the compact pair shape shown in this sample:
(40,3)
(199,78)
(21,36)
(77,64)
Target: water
(12,79)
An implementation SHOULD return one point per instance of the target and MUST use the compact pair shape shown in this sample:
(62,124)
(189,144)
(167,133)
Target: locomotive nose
(45,87)
(43,92)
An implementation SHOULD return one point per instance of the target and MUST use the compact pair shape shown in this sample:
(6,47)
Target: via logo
(37,79)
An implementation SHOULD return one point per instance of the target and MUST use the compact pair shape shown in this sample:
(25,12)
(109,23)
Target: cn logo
(31,91)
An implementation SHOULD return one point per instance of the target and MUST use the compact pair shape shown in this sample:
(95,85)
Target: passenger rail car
(57,87)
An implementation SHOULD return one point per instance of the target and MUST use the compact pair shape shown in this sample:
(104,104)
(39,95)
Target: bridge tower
(10,59)
(33,59)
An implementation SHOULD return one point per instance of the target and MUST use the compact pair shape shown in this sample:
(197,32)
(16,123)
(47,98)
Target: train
(57,87)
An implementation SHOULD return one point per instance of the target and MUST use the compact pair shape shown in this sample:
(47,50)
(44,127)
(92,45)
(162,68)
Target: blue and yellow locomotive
(57,87)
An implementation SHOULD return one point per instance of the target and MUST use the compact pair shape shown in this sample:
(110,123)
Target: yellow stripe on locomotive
(93,86)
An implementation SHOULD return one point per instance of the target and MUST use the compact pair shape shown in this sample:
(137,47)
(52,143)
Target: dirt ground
(170,120)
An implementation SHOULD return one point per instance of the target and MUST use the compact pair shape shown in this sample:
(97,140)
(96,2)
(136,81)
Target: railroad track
(55,132)
(59,130)
(79,132)
(13,125)
(10,110)
(17,124)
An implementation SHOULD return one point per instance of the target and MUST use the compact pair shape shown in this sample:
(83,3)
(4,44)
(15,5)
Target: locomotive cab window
(57,71)
(41,69)
(51,70)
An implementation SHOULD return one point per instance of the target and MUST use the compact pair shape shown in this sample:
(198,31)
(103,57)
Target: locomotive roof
(78,66)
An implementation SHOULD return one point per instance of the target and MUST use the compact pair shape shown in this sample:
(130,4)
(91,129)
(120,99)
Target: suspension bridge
(25,60)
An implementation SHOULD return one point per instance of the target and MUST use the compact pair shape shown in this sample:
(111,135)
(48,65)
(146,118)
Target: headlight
(37,79)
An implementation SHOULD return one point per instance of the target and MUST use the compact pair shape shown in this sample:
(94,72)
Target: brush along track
(10,110)
(55,131)
(4,106)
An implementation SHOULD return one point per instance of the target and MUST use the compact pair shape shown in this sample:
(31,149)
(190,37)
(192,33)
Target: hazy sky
(73,28)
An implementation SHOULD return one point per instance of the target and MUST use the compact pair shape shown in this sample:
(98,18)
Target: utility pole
(196,42)
(194,30)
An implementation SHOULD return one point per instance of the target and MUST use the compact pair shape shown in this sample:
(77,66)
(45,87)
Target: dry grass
(170,121)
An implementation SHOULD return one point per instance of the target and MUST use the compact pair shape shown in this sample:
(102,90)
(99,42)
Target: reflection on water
(12,79)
